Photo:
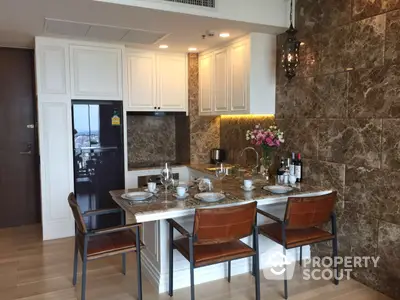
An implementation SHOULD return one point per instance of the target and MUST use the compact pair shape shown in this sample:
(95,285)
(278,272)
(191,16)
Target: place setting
(148,194)
(248,185)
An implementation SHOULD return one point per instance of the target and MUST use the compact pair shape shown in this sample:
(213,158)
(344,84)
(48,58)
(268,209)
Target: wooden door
(172,82)
(19,180)
(141,81)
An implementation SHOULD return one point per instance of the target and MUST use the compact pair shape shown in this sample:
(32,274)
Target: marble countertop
(156,209)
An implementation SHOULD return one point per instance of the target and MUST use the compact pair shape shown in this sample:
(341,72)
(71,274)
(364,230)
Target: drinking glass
(166,179)
(220,173)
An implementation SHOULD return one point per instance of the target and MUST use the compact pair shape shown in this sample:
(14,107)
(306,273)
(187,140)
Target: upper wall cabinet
(96,72)
(205,84)
(142,89)
(239,78)
(172,82)
(156,81)
(52,67)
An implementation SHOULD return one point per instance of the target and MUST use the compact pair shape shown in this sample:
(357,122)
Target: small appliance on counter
(217,155)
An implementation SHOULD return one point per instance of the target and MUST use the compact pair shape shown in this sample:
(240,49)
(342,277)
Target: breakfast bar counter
(154,212)
(154,209)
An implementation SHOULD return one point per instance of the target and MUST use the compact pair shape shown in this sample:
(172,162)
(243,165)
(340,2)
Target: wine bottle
(292,164)
(298,168)
(281,168)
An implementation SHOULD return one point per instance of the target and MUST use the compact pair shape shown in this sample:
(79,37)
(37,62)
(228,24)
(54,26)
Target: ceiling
(22,20)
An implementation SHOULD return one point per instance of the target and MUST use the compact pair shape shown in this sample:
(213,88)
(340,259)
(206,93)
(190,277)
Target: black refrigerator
(98,157)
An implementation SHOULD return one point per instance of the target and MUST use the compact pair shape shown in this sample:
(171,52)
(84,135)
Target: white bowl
(210,197)
(278,189)
(137,196)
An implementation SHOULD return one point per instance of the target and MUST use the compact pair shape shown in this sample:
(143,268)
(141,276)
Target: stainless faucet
(255,169)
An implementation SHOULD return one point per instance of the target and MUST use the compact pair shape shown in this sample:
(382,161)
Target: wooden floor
(34,270)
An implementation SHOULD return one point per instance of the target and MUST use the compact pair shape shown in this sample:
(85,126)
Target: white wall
(265,12)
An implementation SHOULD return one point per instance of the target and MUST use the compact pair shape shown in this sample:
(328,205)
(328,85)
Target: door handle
(28,150)
(26,153)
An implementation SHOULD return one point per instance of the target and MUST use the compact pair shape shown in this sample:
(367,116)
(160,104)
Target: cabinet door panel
(172,82)
(239,77)
(96,73)
(141,81)
(55,136)
(220,94)
(52,69)
(205,84)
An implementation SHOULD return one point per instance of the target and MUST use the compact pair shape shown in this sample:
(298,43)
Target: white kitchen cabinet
(220,88)
(172,82)
(206,64)
(156,81)
(142,85)
(96,72)
(239,78)
(56,168)
(52,68)
(55,136)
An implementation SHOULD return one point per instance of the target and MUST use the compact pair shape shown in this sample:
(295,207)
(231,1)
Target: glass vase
(267,162)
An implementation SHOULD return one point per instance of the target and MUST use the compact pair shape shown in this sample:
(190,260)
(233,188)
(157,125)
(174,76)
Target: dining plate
(137,196)
(209,197)
(278,189)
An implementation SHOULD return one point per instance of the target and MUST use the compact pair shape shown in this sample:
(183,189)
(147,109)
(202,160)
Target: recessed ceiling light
(224,34)
(163,46)
(192,49)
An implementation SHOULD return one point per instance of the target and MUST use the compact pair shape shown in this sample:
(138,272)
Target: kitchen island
(153,214)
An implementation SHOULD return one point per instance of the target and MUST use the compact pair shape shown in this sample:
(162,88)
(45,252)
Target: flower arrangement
(271,137)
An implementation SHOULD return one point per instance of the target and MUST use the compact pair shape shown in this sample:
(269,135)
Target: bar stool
(301,225)
(101,243)
(215,239)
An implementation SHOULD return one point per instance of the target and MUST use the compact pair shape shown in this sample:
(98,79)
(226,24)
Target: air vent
(202,3)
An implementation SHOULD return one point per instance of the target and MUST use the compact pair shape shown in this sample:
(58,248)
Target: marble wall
(233,137)
(151,140)
(342,112)
(204,131)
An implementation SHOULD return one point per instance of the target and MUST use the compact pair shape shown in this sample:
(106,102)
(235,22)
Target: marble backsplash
(151,139)
(342,112)
(204,131)
(233,137)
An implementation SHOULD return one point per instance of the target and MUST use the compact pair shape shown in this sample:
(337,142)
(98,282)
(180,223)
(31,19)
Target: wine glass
(220,173)
(166,178)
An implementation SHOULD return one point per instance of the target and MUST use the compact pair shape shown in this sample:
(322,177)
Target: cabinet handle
(155,107)
(159,107)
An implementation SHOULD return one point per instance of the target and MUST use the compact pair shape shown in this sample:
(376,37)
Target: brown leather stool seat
(295,237)
(301,225)
(214,253)
(110,243)
(215,239)
(94,244)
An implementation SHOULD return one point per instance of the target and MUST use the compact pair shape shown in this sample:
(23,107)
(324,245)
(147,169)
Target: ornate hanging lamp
(290,49)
